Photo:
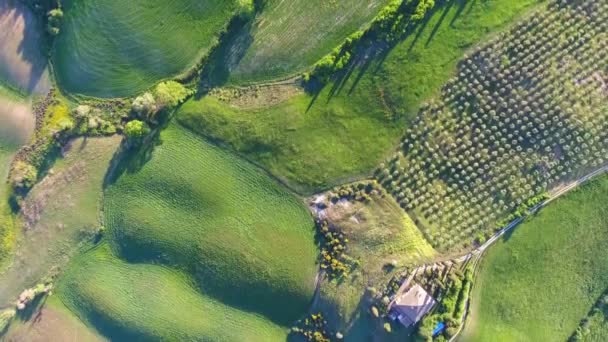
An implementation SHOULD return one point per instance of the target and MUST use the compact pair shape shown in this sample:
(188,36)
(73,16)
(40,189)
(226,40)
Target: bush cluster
(334,260)
(451,308)
(360,192)
(313,328)
(523,114)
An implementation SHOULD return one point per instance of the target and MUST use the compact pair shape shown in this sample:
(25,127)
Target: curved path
(478,253)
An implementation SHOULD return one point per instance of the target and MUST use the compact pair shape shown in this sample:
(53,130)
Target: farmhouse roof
(413,305)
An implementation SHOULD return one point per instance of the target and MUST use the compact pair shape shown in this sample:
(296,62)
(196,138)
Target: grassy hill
(212,234)
(16,126)
(126,301)
(314,141)
(289,36)
(112,48)
(538,283)
(60,212)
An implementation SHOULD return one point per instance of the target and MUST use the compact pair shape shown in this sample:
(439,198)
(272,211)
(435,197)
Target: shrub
(144,106)
(54,19)
(23,176)
(136,129)
(170,94)
(246,9)
(6,317)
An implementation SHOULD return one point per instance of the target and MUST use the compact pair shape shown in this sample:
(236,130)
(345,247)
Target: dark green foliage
(452,303)
(334,259)
(136,130)
(390,25)
(54,19)
(313,328)
(361,192)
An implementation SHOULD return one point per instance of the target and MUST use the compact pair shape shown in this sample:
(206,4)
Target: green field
(212,234)
(16,127)
(290,36)
(317,141)
(58,214)
(111,48)
(540,282)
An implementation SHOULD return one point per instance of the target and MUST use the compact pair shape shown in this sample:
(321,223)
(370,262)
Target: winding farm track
(478,253)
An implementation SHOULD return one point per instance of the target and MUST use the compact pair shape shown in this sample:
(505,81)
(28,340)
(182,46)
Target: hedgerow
(451,307)
(390,25)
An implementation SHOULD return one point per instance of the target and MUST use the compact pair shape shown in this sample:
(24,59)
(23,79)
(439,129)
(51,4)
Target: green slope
(224,240)
(538,284)
(289,36)
(138,302)
(316,141)
(110,48)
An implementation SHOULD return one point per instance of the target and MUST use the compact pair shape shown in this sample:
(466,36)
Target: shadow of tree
(234,43)
(374,50)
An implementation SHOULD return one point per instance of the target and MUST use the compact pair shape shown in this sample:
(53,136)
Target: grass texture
(196,232)
(538,283)
(290,36)
(60,212)
(16,126)
(111,48)
(316,141)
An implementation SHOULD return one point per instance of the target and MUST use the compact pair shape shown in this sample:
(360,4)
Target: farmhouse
(410,306)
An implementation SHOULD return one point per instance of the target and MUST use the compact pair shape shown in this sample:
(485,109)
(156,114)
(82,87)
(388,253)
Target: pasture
(288,37)
(16,127)
(113,48)
(315,141)
(59,215)
(195,232)
(538,283)
(23,64)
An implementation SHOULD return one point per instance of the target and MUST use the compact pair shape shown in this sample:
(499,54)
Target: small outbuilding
(410,305)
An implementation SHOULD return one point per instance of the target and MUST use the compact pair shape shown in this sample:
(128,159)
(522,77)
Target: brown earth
(22,63)
(49,324)
(16,121)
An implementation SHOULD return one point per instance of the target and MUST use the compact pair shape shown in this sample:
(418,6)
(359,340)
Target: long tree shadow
(373,49)
(444,14)
(131,158)
(233,46)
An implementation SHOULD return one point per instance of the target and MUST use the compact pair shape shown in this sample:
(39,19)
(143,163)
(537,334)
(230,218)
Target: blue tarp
(438,328)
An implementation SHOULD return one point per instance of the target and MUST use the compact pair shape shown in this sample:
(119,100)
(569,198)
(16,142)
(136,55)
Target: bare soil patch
(49,324)
(258,96)
(22,63)
(16,122)
(59,215)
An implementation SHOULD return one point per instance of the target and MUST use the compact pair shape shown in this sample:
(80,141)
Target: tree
(54,17)
(136,129)
(171,93)
(246,9)
(144,105)
(24,175)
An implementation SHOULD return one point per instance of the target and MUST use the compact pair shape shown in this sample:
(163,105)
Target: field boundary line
(479,251)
